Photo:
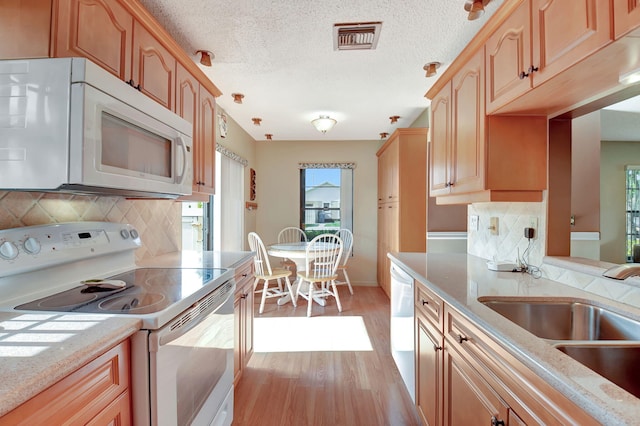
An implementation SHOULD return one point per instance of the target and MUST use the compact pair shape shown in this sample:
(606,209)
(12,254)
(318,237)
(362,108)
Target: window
(326,198)
(632,211)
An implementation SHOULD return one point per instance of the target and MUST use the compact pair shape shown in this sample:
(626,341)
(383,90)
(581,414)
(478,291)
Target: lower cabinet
(464,377)
(243,318)
(95,394)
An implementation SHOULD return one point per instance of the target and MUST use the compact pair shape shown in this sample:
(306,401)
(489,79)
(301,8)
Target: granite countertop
(39,349)
(460,279)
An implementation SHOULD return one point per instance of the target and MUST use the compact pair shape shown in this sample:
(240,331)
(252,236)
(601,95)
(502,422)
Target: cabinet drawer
(244,274)
(86,393)
(429,304)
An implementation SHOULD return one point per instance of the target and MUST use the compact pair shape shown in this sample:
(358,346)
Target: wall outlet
(493,225)
(474,221)
(533,223)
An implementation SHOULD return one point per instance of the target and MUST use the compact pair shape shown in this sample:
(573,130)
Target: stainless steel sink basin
(618,364)
(566,320)
(604,341)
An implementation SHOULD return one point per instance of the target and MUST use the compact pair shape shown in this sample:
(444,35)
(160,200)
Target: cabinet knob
(425,302)
(523,75)
(244,275)
(244,295)
(448,184)
(461,338)
(532,69)
(496,422)
(437,348)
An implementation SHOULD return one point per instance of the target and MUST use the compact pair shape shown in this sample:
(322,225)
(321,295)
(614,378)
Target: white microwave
(68,125)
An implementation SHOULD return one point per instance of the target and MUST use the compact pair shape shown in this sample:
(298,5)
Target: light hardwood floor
(327,387)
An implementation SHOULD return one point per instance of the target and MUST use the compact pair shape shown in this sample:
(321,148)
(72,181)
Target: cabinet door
(429,389)
(100,30)
(559,42)
(388,173)
(627,16)
(508,56)
(440,141)
(468,131)
(469,399)
(25,28)
(205,144)
(153,68)
(187,107)
(237,334)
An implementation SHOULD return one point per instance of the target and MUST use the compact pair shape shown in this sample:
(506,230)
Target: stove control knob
(32,245)
(134,234)
(8,250)
(124,234)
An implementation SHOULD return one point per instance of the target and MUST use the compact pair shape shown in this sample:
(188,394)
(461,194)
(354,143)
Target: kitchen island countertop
(460,279)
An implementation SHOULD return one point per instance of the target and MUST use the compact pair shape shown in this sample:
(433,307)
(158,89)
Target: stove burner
(131,303)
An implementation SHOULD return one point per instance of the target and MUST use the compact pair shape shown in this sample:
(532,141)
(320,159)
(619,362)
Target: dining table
(297,252)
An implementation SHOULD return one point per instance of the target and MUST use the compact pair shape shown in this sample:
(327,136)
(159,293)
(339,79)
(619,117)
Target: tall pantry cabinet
(402,197)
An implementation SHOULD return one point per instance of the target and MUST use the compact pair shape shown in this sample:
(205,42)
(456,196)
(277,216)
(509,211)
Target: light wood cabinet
(15,15)
(196,105)
(243,318)
(429,356)
(479,158)
(97,393)
(153,69)
(626,16)
(402,204)
(537,42)
(463,376)
(100,30)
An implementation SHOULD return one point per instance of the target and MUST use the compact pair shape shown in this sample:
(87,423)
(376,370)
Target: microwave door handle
(184,159)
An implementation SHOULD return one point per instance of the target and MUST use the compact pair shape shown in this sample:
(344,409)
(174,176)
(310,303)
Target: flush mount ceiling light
(394,118)
(383,135)
(237,97)
(431,68)
(269,136)
(205,57)
(256,121)
(324,123)
(475,8)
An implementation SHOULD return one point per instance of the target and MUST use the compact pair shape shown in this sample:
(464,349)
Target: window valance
(232,155)
(326,165)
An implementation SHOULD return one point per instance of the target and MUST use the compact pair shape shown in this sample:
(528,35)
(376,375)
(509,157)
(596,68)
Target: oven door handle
(188,320)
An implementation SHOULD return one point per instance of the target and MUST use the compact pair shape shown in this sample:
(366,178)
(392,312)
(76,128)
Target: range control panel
(35,247)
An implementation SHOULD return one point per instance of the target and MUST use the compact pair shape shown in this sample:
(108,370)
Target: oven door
(191,364)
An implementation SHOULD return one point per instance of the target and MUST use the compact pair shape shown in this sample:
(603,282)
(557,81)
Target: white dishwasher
(402,326)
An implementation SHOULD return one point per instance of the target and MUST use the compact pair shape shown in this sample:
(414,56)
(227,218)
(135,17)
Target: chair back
(323,255)
(347,242)
(260,258)
(292,234)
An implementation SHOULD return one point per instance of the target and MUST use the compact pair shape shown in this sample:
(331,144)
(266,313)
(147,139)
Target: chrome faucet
(621,272)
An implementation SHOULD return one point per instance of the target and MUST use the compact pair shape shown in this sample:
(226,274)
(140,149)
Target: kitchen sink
(566,320)
(604,341)
(618,364)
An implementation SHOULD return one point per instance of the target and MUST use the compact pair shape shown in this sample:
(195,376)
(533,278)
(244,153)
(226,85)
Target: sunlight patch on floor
(303,334)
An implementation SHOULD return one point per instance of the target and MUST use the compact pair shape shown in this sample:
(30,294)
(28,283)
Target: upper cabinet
(101,30)
(153,68)
(538,41)
(458,133)
(627,16)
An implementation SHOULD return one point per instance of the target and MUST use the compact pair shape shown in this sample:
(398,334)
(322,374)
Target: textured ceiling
(280,55)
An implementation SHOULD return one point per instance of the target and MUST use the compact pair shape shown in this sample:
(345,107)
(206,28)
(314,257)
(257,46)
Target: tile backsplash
(159,222)
(510,241)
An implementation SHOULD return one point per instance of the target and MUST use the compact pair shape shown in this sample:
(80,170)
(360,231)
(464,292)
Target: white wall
(278,193)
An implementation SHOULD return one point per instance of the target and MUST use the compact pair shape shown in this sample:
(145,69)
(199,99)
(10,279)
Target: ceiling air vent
(363,35)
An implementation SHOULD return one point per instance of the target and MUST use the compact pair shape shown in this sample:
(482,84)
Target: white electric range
(182,359)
